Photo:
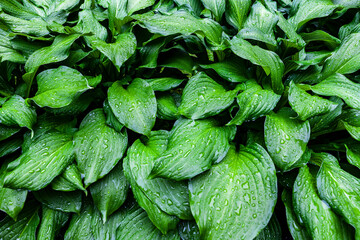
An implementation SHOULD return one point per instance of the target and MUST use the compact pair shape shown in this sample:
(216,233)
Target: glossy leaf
(135,106)
(189,230)
(271,231)
(164,84)
(68,180)
(217,7)
(98,147)
(236,12)
(136,5)
(51,223)
(235,199)
(353,155)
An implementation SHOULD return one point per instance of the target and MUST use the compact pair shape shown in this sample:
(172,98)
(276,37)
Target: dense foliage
(179,119)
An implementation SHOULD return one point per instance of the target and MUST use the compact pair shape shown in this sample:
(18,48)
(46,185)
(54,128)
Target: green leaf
(24,228)
(352,27)
(293,39)
(307,10)
(62,201)
(164,84)
(306,105)
(236,198)
(10,146)
(193,147)
(59,87)
(319,35)
(346,59)
(268,60)
(353,155)
(15,112)
(271,231)
(315,214)
(298,232)
(117,52)
(6,132)
(338,85)
(11,201)
(110,192)
(340,190)
(98,147)
(237,11)
(135,107)
(167,106)
(51,223)
(136,5)
(217,7)
(88,24)
(286,139)
(181,22)
(189,230)
(68,180)
(253,103)
(48,155)
(194,6)
(178,59)
(203,97)
(150,52)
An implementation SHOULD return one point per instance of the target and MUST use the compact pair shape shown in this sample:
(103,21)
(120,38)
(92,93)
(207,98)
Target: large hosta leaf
(338,85)
(341,190)
(136,5)
(236,12)
(68,180)
(315,214)
(135,106)
(51,223)
(203,97)
(268,60)
(48,155)
(60,86)
(217,7)
(271,231)
(353,154)
(235,199)
(286,139)
(193,147)
(98,147)
(306,105)
(254,102)
(110,192)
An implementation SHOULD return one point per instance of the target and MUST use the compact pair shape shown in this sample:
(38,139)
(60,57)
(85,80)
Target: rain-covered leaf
(164,84)
(189,230)
(353,155)
(51,223)
(271,231)
(68,180)
(236,12)
(217,7)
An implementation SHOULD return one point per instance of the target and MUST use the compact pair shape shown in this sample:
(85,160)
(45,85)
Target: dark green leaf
(236,12)
(51,222)
(271,231)
(217,7)
(68,180)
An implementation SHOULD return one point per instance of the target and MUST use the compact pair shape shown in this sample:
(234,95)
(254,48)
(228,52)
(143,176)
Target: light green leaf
(68,180)
(164,84)
(348,3)
(48,155)
(189,230)
(286,139)
(203,97)
(353,155)
(298,232)
(237,11)
(110,192)
(217,7)
(117,52)
(293,39)
(88,24)
(341,190)
(17,9)
(268,60)
(51,222)
(193,147)
(236,198)
(181,22)
(194,6)
(59,87)
(135,107)
(167,106)
(98,147)
(136,5)
(271,231)
(62,201)
(117,14)
(338,85)
(253,103)
(315,214)
(306,105)
(15,112)
(36,26)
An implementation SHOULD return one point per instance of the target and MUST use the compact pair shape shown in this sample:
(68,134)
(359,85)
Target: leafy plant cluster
(180,119)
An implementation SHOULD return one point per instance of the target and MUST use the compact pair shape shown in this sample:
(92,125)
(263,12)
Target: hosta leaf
(178,59)
(170,196)
(353,155)
(6,132)
(351,121)
(203,97)
(164,84)
(68,180)
(62,201)
(98,147)
(271,231)
(60,86)
(235,199)
(88,24)
(135,107)
(167,106)
(319,35)
(150,52)
(49,154)
(308,10)
(117,52)
(315,214)
(254,102)
(217,7)
(181,22)
(110,192)
(24,228)
(268,60)
(286,139)
(298,232)
(10,146)
(194,6)
(236,12)
(193,147)
(189,230)
(11,201)
(15,112)
(136,5)
(51,222)
(352,27)
(338,85)
(306,105)
(341,190)
(346,59)
(293,38)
